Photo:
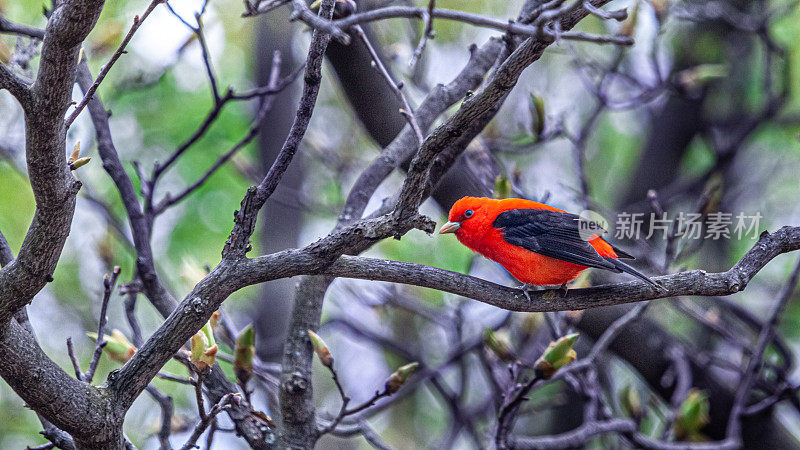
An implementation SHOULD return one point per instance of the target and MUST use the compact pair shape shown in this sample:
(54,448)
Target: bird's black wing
(550,233)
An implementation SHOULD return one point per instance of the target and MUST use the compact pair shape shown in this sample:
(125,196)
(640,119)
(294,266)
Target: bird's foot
(526,288)
(564,290)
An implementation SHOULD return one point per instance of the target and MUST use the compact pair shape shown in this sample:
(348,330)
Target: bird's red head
(470,216)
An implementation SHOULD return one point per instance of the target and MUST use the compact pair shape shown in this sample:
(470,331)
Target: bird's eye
(468,213)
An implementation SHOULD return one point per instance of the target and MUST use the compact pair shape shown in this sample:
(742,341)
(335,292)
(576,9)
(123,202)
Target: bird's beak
(450,227)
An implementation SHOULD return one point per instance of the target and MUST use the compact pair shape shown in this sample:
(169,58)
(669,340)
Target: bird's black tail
(630,270)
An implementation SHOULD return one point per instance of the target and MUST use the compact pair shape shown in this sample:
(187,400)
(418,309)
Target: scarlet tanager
(537,243)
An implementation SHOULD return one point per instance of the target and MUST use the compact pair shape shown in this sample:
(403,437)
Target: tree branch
(108,288)
(53,185)
(68,403)
(238,243)
(765,337)
(255,127)
(140,225)
(167,410)
(137,22)
(206,420)
(695,282)
(57,437)
(407,111)
(14,84)
(575,438)
(7,26)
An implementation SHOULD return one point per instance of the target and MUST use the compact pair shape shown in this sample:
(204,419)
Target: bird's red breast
(535,242)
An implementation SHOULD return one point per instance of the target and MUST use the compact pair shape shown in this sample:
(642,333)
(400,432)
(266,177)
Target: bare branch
(575,438)
(222,405)
(75,365)
(137,22)
(7,26)
(14,84)
(765,337)
(66,402)
(198,394)
(363,428)
(109,281)
(695,282)
(574,36)
(53,185)
(428,33)
(301,11)
(408,111)
(393,12)
(344,411)
(618,15)
(258,122)
(239,241)
(130,315)
(167,410)
(139,222)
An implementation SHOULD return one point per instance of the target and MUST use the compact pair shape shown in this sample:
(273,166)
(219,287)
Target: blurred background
(704,109)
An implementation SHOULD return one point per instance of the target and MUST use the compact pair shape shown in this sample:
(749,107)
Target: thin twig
(7,26)
(428,33)
(75,365)
(212,115)
(211,430)
(505,418)
(301,11)
(205,421)
(255,127)
(393,12)
(618,15)
(585,37)
(371,402)
(108,285)
(343,410)
(407,111)
(133,321)
(167,410)
(137,22)
(201,39)
(769,329)
(198,394)
(168,377)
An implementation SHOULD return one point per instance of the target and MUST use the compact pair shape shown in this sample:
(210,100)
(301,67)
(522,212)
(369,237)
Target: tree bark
(296,391)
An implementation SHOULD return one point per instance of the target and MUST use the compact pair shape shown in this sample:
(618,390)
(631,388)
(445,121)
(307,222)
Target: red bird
(538,244)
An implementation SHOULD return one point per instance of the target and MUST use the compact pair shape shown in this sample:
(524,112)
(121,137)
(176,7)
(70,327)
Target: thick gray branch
(694,282)
(69,404)
(75,407)
(229,277)
(53,185)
